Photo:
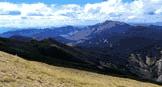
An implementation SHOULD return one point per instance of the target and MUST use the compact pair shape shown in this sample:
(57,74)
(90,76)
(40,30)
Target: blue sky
(50,13)
(81,2)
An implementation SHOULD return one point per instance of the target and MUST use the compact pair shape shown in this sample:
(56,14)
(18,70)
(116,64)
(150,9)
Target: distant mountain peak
(113,22)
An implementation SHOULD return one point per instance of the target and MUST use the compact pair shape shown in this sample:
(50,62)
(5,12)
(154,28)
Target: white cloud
(159,11)
(43,15)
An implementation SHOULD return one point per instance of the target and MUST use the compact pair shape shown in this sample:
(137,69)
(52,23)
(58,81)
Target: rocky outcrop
(146,67)
(159,67)
(159,79)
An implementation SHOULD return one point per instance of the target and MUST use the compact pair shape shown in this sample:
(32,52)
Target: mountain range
(111,47)
(40,34)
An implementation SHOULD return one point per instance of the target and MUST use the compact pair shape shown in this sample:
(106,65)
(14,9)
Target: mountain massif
(109,47)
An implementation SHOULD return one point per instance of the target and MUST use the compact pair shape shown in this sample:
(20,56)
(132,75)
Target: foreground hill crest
(17,72)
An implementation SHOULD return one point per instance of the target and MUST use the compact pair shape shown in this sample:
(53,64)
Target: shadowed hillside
(48,51)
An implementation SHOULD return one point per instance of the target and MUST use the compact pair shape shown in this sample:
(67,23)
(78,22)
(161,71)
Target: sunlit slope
(17,72)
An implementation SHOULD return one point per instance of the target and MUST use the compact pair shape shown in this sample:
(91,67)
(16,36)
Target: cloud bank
(45,15)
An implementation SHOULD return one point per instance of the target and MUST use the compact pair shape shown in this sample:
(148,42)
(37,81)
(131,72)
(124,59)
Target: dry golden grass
(17,72)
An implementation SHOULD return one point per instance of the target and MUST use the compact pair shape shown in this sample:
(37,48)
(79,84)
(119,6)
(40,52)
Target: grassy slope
(17,72)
